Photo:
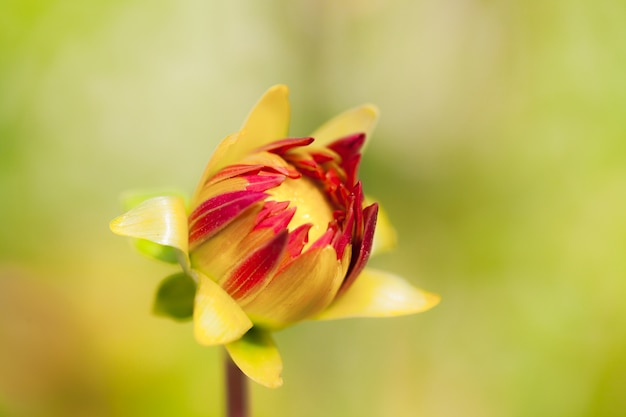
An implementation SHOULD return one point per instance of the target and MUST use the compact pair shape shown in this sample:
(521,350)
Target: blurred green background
(500,157)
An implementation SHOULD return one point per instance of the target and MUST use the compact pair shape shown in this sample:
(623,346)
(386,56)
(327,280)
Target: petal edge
(360,119)
(162,220)
(379,294)
(217,318)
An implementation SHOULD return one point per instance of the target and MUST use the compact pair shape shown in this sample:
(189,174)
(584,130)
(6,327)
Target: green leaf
(175,297)
(156,251)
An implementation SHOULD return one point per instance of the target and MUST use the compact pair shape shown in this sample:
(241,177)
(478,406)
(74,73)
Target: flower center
(312,205)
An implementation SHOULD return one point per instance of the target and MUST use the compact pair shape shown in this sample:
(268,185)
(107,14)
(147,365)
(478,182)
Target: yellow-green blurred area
(500,157)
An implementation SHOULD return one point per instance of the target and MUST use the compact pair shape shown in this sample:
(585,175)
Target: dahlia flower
(278,231)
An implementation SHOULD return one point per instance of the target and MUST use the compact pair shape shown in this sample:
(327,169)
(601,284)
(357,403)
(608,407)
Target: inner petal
(312,205)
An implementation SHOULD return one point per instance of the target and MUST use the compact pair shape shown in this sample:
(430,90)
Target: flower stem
(236,390)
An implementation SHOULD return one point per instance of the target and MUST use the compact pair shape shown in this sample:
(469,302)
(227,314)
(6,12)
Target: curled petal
(257,357)
(217,318)
(216,213)
(364,247)
(358,120)
(379,294)
(385,237)
(161,220)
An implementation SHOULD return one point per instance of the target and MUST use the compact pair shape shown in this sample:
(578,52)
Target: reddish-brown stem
(236,390)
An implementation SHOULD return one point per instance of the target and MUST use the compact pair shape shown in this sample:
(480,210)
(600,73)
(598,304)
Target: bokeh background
(500,156)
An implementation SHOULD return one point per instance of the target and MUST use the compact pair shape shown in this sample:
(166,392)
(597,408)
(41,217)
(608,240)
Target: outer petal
(161,220)
(257,356)
(379,294)
(303,288)
(217,318)
(358,120)
(268,121)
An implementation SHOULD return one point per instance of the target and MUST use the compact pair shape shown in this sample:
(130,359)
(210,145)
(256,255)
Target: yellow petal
(385,237)
(268,121)
(301,290)
(217,318)
(379,294)
(257,357)
(161,220)
(358,120)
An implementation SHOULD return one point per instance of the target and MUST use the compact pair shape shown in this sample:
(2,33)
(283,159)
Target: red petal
(320,157)
(348,146)
(286,171)
(351,168)
(215,213)
(308,167)
(277,220)
(297,239)
(363,250)
(262,182)
(280,147)
(341,240)
(270,207)
(324,240)
(234,171)
(252,272)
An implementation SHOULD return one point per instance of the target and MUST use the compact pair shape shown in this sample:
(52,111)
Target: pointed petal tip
(380,294)
(275,382)
(114,225)
(281,89)
(371,110)
(432,300)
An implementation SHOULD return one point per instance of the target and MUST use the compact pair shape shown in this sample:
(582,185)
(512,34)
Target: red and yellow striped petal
(248,277)
(305,287)
(217,212)
(379,294)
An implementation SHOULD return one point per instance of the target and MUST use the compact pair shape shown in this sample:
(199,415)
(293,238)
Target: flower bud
(284,230)
(278,231)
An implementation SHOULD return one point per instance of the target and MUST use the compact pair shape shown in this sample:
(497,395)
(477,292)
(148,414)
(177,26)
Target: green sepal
(155,251)
(257,356)
(175,297)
